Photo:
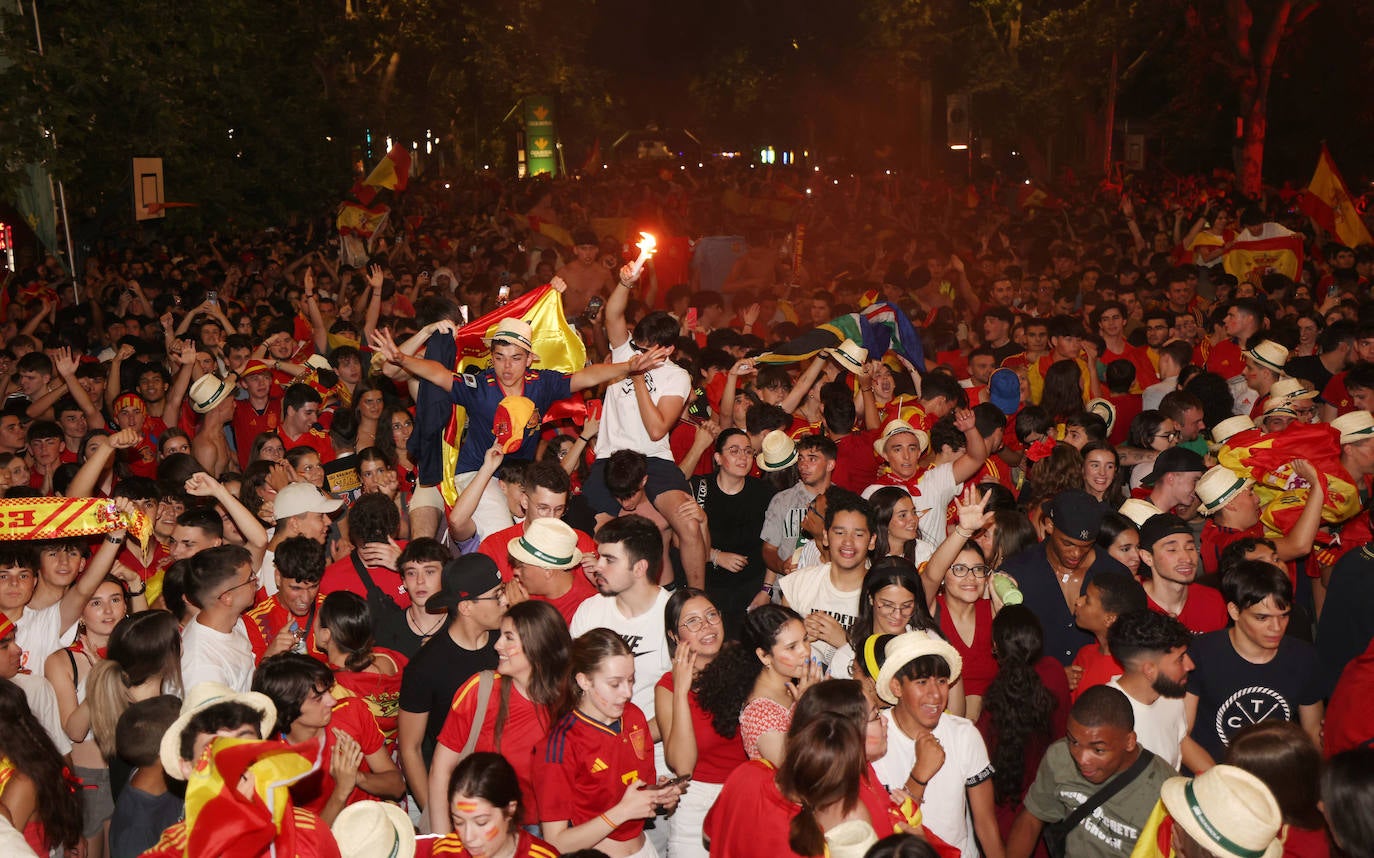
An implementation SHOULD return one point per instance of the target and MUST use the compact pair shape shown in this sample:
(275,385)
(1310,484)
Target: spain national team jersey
(249,423)
(450,846)
(583,767)
(316,439)
(480,393)
(267,618)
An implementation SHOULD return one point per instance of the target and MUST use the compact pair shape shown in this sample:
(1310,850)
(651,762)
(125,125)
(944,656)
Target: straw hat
(198,699)
(849,355)
(512,330)
(1138,510)
(1231,427)
(318,361)
(1216,488)
(1276,406)
(374,829)
(1228,811)
(898,427)
(1103,408)
(1354,427)
(779,451)
(1269,355)
(548,543)
(209,391)
(1291,388)
(906,648)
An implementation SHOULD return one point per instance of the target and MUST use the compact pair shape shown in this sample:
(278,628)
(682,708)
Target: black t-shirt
(735,522)
(1035,578)
(1311,369)
(390,630)
(1347,624)
(434,676)
(1011,349)
(1234,693)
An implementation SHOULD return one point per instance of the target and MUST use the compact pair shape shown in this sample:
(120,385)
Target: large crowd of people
(1081,568)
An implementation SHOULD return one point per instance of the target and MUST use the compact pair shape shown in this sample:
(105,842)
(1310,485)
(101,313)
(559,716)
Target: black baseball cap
(1077,514)
(1175,460)
(1162,525)
(464,578)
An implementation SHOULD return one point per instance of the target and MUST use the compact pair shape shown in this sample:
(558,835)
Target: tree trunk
(1250,166)
(1257,70)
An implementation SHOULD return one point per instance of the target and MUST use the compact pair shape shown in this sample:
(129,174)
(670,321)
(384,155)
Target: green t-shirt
(1111,830)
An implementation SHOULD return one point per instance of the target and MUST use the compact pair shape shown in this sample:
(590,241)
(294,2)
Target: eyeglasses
(252,579)
(892,608)
(961,570)
(1172,436)
(738,451)
(695,624)
(499,597)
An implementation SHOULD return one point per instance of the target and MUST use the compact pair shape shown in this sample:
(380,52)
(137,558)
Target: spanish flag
(1275,250)
(1327,200)
(361,221)
(393,172)
(556,346)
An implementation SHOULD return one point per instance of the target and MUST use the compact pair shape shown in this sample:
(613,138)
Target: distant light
(816,169)
(682,166)
(329,139)
(447,186)
(836,181)
(388,144)
(486,166)
(1027,182)
(603,166)
(887,172)
(806,153)
(958,146)
(808,192)
(699,164)
(429,147)
(1014,152)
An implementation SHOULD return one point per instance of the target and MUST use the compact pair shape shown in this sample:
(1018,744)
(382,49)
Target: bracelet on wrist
(913,779)
(115,540)
(767,588)
(606,819)
(966,534)
(140,591)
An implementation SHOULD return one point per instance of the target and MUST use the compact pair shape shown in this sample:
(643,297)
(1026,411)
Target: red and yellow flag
(557,346)
(1327,201)
(361,221)
(59,518)
(393,172)
(1276,250)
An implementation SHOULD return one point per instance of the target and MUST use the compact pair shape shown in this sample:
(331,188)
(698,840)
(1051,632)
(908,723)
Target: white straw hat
(1228,811)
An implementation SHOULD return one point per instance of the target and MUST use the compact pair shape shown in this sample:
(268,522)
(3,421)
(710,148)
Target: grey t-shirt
(1111,830)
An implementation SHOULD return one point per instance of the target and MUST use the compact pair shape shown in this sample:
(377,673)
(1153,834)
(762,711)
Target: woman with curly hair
(37,791)
(1061,469)
(691,744)
(750,688)
(1025,708)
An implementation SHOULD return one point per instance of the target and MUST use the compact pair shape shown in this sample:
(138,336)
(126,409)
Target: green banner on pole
(541,136)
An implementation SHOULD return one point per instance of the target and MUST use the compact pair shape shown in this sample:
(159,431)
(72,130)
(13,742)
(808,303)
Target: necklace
(425,635)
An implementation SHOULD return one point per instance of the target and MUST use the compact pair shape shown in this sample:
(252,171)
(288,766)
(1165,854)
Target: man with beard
(1170,554)
(1153,651)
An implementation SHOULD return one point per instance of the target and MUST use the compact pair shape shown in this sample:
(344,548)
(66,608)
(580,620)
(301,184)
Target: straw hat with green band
(207,392)
(1217,487)
(1228,811)
(547,543)
(779,451)
(1354,427)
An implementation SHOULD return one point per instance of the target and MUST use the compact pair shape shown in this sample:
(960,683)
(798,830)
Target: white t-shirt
(43,704)
(622,427)
(644,635)
(267,572)
(810,590)
(39,634)
(211,656)
(844,657)
(1160,727)
(944,806)
(936,488)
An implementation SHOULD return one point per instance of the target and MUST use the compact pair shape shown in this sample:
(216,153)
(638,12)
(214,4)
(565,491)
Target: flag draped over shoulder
(1327,201)
(1275,250)
(879,327)
(556,346)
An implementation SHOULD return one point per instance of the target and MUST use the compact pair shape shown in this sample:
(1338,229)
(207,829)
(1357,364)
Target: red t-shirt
(267,618)
(680,440)
(583,766)
(717,756)
(567,604)
(1098,668)
(249,424)
(1335,394)
(1215,538)
(451,846)
(343,575)
(1203,611)
(980,668)
(350,716)
(751,817)
(380,692)
(307,837)
(496,547)
(1350,718)
(316,439)
(856,467)
(1145,374)
(525,727)
(161,559)
(1128,405)
(801,427)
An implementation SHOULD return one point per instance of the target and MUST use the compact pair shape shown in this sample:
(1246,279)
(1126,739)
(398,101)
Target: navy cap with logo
(464,578)
(1077,514)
